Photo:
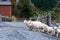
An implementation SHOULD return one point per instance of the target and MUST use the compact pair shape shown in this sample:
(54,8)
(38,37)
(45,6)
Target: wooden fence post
(49,19)
(0,18)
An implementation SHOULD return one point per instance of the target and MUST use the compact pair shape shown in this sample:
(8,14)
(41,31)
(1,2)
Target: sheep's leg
(57,34)
(43,30)
(34,29)
(31,28)
(52,32)
(38,29)
(48,31)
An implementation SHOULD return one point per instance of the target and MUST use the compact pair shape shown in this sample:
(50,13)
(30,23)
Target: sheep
(49,30)
(28,24)
(38,25)
(57,31)
(14,19)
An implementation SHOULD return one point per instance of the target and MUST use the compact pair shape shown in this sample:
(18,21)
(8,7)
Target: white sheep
(57,30)
(49,30)
(38,25)
(28,24)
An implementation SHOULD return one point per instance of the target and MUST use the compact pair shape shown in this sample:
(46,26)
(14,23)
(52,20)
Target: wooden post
(49,19)
(0,18)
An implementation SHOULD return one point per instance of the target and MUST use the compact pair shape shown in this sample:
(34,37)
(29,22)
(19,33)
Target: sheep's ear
(24,21)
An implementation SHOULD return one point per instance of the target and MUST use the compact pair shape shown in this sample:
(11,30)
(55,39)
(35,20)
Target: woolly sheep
(28,24)
(49,30)
(14,19)
(57,30)
(37,25)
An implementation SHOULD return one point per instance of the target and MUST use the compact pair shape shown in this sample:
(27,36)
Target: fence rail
(4,19)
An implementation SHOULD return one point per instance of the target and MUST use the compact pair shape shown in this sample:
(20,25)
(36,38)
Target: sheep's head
(59,27)
(55,28)
(25,21)
(30,23)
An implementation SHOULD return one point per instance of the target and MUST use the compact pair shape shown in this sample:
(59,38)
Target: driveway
(19,31)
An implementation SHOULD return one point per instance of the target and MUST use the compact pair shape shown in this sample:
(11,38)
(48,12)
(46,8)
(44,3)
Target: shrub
(53,14)
(25,8)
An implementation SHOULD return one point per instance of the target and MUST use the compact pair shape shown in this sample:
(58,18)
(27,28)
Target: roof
(5,3)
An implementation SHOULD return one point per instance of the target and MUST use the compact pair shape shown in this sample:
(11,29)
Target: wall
(14,1)
(58,11)
(5,10)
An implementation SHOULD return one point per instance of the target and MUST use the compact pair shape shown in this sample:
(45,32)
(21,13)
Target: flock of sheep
(41,26)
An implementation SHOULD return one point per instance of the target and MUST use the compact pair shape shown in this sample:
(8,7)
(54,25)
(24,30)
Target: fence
(45,19)
(4,19)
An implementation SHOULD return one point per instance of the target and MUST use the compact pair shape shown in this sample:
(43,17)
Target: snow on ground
(18,31)
(58,24)
(13,24)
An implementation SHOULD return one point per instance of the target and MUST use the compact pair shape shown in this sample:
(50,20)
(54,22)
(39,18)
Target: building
(58,10)
(5,7)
